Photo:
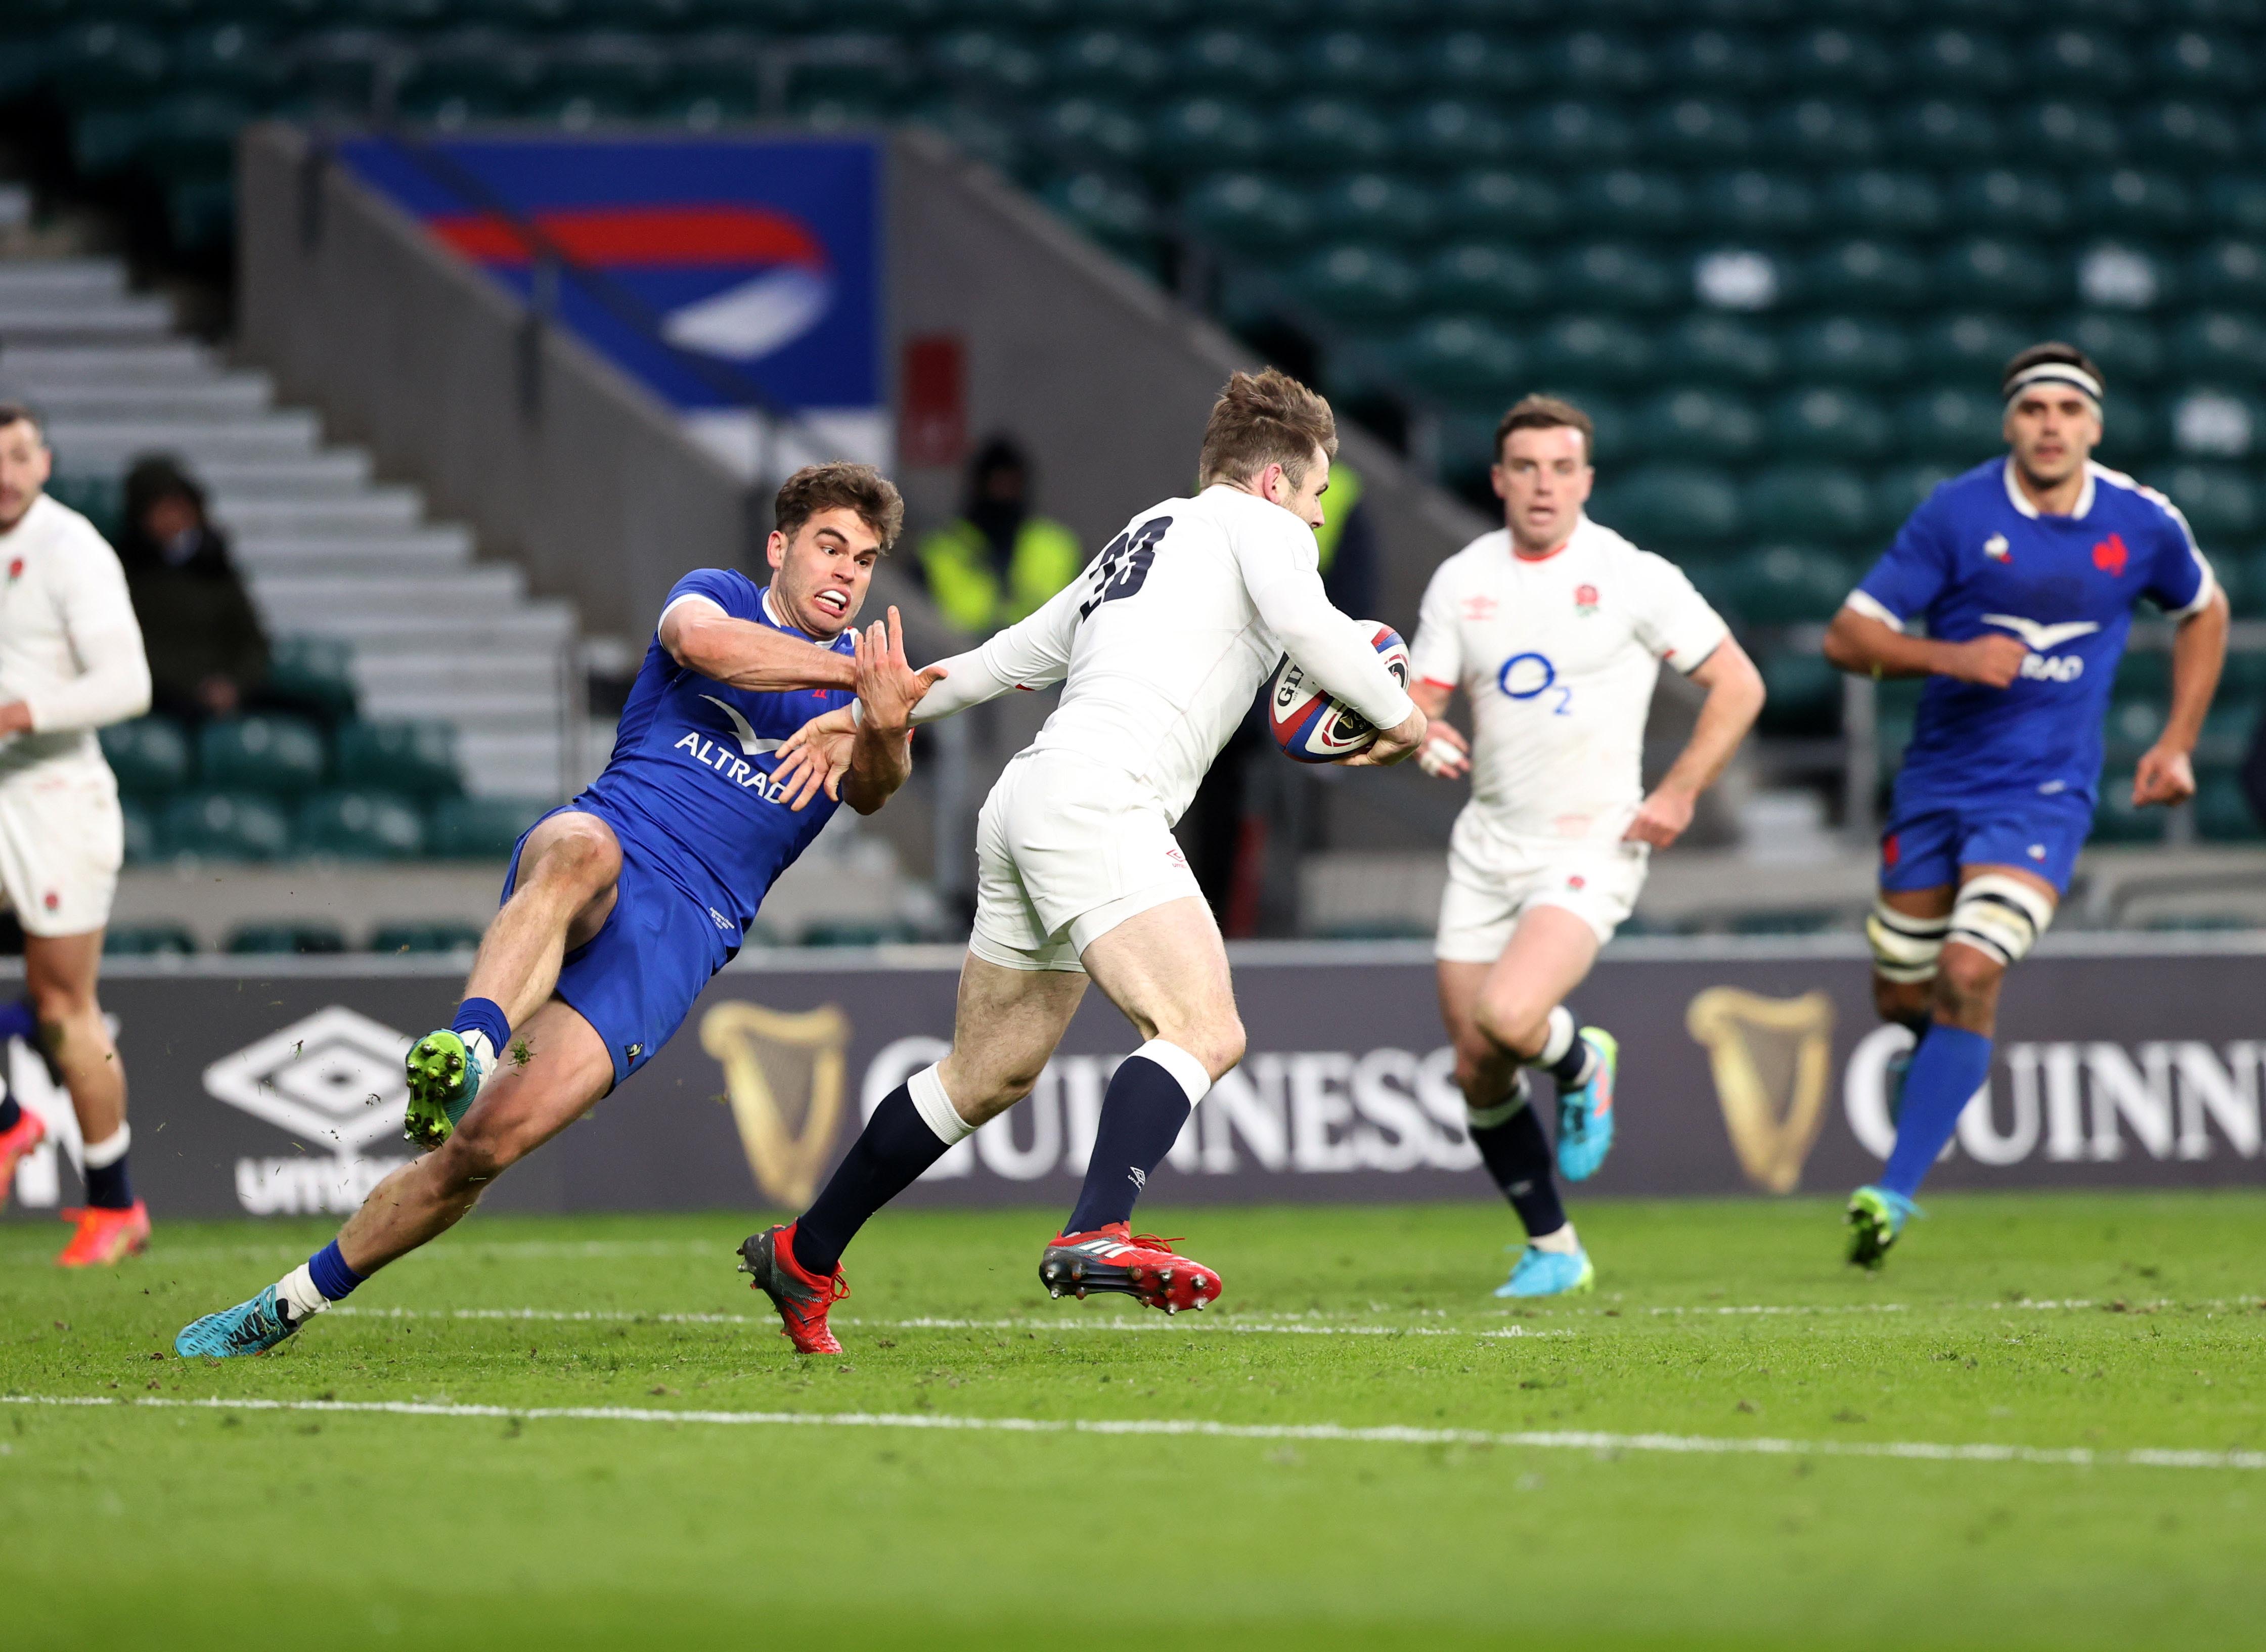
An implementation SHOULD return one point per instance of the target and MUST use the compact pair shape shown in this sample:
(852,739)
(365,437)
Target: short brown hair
(1263,418)
(841,485)
(1546,413)
(16,413)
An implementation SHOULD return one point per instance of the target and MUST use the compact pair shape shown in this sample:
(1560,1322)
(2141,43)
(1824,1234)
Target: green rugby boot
(1877,1217)
(445,1075)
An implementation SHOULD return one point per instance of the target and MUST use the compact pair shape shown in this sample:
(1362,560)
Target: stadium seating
(1781,253)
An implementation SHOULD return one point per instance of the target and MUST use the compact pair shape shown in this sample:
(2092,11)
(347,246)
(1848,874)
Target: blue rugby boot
(1877,1217)
(444,1077)
(1585,1116)
(1540,1272)
(249,1327)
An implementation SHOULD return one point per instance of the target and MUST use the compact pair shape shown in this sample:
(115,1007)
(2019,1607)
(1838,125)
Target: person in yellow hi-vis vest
(999,560)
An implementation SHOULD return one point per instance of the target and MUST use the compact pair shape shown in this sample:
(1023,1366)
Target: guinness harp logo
(783,1076)
(1770,1058)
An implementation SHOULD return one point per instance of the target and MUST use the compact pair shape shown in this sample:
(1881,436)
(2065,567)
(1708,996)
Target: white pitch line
(1320,1433)
(1177,1323)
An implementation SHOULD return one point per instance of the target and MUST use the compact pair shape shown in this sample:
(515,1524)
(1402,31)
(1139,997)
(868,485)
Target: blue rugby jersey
(690,774)
(1977,556)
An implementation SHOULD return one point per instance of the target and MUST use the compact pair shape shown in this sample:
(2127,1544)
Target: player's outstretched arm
(2166,773)
(1862,645)
(701,637)
(1735,699)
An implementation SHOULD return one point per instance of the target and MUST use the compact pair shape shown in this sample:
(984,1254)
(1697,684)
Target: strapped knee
(1904,947)
(2000,916)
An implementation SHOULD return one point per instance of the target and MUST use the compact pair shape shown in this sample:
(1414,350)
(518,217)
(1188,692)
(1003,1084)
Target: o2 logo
(1526,676)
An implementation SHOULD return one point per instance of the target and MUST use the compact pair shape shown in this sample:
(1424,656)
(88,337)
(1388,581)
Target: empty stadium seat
(1789,585)
(2230,273)
(1848,350)
(1358,283)
(1824,131)
(1248,211)
(1481,277)
(1902,489)
(1617,275)
(2000,201)
(1461,356)
(1109,61)
(1803,694)
(2115,819)
(1866,274)
(1971,62)
(1697,423)
(314,674)
(1574,351)
(1835,58)
(1720,348)
(1942,131)
(1808,502)
(2129,348)
(1827,422)
(425,939)
(1467,60)
(1453,132)
(1206,135)
(1092,130)
(1569,133)
(223,826)
(1112,213)
(2071,133)
(1885,201)
(1331,135)
(1226,60)
(1723,62)
(2218,500)
(1374,206)
(2186,132)
(148,941)
(1759,203)
(2213,422)
(360,826)
(1350,61)
(261,753)
(418,758)
(2220,344)
(285,940)
(1630,201)
(1955,425)
(148,755)
(2082,59)
(1488,202)
(479,828)
(1690,130)
(138,830)
(1672,505)
(2136,201)
(2222,813)
(2236,203)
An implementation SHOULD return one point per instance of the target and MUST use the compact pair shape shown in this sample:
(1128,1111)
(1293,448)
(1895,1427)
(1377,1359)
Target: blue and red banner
(723,270)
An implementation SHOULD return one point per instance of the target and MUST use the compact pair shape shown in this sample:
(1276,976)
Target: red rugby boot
(800,1296)
(26,1134)
(1112,1258)
(105,1237)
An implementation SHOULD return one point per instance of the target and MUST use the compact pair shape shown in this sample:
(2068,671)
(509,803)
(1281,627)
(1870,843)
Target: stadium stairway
(326,550)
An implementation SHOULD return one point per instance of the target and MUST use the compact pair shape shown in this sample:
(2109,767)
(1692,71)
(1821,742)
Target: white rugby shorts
(62,839)
(1493,881)
(1065,850)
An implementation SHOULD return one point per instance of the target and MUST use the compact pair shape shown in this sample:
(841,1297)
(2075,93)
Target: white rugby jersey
(1558,656)
(1162,642)
(70,647)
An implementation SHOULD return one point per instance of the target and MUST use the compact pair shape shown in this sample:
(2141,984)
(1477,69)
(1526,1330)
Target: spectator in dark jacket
(207,653)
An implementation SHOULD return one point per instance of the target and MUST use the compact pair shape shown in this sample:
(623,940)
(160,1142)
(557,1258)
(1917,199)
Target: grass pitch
(1584,1473)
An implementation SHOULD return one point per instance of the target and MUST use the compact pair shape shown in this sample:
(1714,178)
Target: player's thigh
(558,1069)
(1166,969)
(1934,902)
(1551,952)
(1005,1025)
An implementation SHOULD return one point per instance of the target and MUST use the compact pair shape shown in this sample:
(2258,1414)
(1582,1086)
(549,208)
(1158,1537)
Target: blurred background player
(620,906)
(1554,629)
(70,663)
(1160,647)
(999,559)
(2023,574)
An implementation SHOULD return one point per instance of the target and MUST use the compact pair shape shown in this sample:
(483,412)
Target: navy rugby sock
(486,1016)
(1517,1156)
(103,1164)
(17,1020)
(1148,1099)
(910,1131)
(1566,1056)
(12,1114)
(1947,1069)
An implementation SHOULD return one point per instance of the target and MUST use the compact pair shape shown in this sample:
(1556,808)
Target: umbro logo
(1140,1177)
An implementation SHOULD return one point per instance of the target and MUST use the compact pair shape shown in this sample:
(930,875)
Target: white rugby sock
(297,1288)
(1562,1241)
(476,1041)
(935,1108)
(1557,1040)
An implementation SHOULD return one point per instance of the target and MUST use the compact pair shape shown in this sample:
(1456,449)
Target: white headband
(2055,373)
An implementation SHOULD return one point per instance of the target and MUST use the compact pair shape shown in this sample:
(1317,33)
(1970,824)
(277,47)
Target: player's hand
(1392,744)
(1662,818)
(1993,659)
(888,686)
(813,755)
(2165,776)
(16,717)
(1445,753)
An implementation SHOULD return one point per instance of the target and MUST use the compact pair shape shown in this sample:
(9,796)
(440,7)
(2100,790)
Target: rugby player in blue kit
(619,907)
(2024,574)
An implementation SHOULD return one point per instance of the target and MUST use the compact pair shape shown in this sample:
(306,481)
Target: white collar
(772,612)
(2021,501)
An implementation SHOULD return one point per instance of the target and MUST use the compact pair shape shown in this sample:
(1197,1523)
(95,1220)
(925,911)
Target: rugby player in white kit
(1554,628)
(70,663)
(1161,646)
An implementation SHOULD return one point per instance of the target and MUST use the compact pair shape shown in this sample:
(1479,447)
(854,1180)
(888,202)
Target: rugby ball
(1313,727)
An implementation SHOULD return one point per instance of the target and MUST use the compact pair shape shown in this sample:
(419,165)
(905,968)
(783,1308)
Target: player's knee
(1967,984)
(1221,1046)
(580,863)
(59,1002)
(1512,1023)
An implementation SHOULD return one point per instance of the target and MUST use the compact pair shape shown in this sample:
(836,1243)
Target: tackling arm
(2166,773)
(701,637)
(1734,699)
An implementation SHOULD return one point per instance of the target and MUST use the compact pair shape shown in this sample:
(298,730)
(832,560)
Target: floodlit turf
(2100,1324)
